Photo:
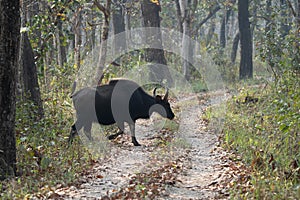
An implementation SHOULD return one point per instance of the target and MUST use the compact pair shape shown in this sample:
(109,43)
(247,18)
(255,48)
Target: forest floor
(186,163)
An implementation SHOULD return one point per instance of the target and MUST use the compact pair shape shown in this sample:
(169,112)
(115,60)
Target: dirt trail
(201,168)
(195,156)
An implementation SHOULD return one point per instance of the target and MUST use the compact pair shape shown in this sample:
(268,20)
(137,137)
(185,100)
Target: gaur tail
(73,133)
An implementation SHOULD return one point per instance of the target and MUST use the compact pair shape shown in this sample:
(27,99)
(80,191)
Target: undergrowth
(262,127)
(44,161)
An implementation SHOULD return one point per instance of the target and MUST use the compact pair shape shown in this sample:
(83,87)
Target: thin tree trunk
(151,18)
(77,32)
(9,49)
(253,24)
(267,31)
(298,18)
(31,8)
(127,26)
(223,29)
(298,35)
(235,46)
(118,29)
(103,46)
(233,24)
(246,64)
(223,33)
(30,78)
(211,31)
(27,73)
(186,44)
(93,33)
(61,49)
(285,28)
(179,16)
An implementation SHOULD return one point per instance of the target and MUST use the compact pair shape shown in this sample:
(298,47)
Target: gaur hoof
(135,142)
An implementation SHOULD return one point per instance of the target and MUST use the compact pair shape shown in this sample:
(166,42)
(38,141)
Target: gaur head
(162,105)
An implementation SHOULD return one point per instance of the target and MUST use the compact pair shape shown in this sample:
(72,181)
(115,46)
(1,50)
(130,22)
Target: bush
(265,133)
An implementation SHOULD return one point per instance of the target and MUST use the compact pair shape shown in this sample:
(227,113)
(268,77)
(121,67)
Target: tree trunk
(118,30)
(151,18)
(223,33)
(179,16)
(233,24)
(27,73)
(30,86)
(267,31)
(285,28)
(298,18)
(103,46)
(127,25)
(254,15)
(9,49)
(246,65)
(235,46)
(223,28)
(31,8)
(186,45)
(61,49)
(77,43)
(93,33)
(298,36)
(211,31)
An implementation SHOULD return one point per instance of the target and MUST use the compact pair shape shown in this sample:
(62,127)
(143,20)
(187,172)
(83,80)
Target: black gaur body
(118,102)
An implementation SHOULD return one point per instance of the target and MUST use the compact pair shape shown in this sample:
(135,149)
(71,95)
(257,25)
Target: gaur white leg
(87,131)
(132,130)
(120,132)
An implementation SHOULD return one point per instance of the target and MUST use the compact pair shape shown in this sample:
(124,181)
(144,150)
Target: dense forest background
(254,44)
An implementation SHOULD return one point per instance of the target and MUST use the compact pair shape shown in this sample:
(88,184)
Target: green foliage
(199,86)
(43,157)
(266,135)
(278,42)
(55,21)
(229,71)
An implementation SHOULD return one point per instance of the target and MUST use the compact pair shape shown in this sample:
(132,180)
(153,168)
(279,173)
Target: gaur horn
(166,95)
(154,92)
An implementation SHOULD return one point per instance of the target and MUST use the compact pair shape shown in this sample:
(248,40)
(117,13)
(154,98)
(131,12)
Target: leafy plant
(265,133)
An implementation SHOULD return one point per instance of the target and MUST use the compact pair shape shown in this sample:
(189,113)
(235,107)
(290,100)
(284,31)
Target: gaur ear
(154,92)
(166,95)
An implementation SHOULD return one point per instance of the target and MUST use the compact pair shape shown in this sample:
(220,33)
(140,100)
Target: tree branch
(180,20)
(292,8)
(105,11)
(212,13)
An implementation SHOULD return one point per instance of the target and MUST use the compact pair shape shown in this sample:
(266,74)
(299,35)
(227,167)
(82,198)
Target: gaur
(118,102)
